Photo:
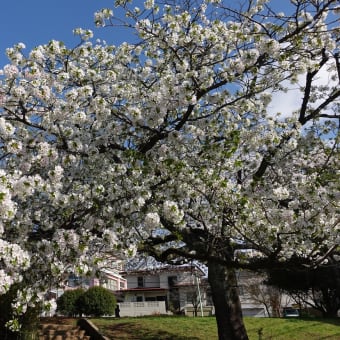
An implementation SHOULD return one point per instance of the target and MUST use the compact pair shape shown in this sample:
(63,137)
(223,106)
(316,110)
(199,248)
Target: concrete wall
(206,310)
(142,308)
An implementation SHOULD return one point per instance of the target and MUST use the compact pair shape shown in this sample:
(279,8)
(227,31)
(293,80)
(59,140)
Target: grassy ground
(185,328)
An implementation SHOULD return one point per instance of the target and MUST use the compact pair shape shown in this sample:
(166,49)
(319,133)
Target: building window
(172,281)
(139,298)
(191,297)
(111,284)
(73,280)
(140,282)
(78,281)
(150,298)
(85,282)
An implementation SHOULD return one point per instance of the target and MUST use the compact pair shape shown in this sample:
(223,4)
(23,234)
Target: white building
(178,286)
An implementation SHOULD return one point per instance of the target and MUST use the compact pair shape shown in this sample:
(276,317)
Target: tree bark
(225,295)
(330,302)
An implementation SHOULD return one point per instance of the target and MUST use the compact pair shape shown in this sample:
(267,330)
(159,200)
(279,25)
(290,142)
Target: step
(61,332)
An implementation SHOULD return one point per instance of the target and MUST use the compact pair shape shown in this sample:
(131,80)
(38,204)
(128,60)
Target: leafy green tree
(69,302)
(98,301)
(318,288)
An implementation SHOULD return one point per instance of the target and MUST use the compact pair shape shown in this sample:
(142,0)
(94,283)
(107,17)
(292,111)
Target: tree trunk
(227,304)
(330,303)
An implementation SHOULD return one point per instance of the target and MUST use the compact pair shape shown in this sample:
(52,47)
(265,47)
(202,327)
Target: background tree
(318,288)
(193,296)
(259,292)
(69,303)
(97,301)
(172,145)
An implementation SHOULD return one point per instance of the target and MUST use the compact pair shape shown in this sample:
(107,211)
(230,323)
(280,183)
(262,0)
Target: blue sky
(36,22)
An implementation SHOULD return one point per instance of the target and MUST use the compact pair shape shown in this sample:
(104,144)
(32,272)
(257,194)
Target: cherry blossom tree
(174,146)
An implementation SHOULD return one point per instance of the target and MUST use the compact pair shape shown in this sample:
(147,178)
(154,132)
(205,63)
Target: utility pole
(199,293)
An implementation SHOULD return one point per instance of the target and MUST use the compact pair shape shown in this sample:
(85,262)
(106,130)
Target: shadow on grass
(332,321)
(308,328)
(133,331)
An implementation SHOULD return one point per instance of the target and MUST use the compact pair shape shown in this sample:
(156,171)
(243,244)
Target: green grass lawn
(185,328)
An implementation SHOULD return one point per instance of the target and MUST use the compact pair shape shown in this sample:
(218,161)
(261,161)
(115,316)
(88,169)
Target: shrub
(98,301)
(29,320)
(69,303)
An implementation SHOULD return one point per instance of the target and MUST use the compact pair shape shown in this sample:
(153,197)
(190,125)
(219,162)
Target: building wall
(112,280)
(178,288)
(142,308)
(141,296)
(159,279)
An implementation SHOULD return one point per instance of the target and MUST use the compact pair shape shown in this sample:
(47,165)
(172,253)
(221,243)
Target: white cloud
(288,102)
(285,102)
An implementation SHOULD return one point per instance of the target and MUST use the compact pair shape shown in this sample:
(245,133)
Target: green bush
(98,301)
(69,303)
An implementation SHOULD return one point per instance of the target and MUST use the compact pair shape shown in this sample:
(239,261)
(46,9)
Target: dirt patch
(122,331)
(58,321)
